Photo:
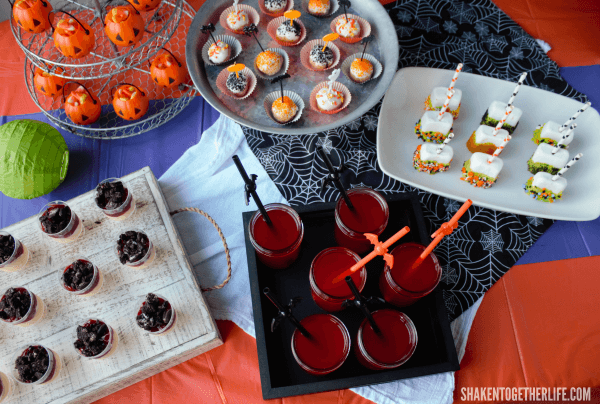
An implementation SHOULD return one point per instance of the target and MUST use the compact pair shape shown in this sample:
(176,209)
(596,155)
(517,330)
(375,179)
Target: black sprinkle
(319,56)
(285,28)
(275,4)
(236,84)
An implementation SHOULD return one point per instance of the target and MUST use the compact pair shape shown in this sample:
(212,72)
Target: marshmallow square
(543,154)
(429,153)
(544,180)
(497,109)
(430,123)
(550,131)
(483,134)
(479,164)
(439,94)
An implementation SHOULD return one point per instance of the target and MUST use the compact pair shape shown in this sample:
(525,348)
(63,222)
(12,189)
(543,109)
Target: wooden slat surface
(138,355)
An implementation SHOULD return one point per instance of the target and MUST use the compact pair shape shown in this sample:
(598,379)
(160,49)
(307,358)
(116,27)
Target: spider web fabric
(440,34)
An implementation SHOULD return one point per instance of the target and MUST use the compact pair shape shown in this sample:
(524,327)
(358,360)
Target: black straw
(285,312)
(345,3)
(252,29)
(281,83)
(334,176)
(251,189)
(209,28)
(361,303)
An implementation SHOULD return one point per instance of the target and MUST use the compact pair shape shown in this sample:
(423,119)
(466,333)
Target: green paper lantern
(33,159)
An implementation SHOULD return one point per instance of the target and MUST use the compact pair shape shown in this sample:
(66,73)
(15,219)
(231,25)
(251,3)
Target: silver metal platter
(250,112)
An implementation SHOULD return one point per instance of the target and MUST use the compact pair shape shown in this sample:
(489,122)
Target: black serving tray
(280,375)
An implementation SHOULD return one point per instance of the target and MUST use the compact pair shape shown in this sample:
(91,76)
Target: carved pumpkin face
(166,71)
(32,15)
(144,5)
(48,84)
(81,107)
(130,102)
(124,26)
(73,39)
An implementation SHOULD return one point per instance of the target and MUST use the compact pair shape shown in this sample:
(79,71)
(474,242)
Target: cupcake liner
(284,67)
(222,83)
(272,30)
(365,28)
(270,98)
(305,54)
(336,86)
(252,14)
(263,9)
(234,44)
(333,7)
(377,67)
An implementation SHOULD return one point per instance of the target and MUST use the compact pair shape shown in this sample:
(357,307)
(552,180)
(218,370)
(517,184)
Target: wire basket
(165,103)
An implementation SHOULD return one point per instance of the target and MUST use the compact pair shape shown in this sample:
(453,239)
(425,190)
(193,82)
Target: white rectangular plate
(396,142)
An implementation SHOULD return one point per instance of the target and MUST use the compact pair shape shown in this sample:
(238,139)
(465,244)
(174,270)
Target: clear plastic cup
(18,259)
(112,340)
(170,326)
(92,288)
(51,374)
(143,262)
(126,209)
(6,387)
(37,309)
(71,232)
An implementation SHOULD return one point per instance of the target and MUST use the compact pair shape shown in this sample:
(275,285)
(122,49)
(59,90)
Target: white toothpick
(333,77)
(235,5)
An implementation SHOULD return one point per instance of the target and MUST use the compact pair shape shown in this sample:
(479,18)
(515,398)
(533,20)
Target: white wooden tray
(396,142)
(139,355)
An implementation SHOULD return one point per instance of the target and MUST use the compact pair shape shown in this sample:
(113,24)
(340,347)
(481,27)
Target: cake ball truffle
(219,52)
(237,20)
(329,100)
(347,28)
(321,59)
(289,33)
(269,62)
(275,6)
(361,70)
(319,7)
(284,109)
(237,84)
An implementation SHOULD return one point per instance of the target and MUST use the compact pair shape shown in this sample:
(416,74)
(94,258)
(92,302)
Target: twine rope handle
(212,221)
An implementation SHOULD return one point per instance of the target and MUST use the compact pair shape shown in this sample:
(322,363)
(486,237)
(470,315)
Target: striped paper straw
(448,139)
(509,110)
(565,168)
(571,119)
(565,137)
(517,88)
(455,77)
(499,149)
(443,111)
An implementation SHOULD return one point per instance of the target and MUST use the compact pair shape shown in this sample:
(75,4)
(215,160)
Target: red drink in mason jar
(370,215)
(328,347)
(403,286)
(393,346)
(326,266)
(277,246)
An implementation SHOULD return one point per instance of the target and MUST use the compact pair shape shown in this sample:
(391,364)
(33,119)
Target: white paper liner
(274,24)
(305,54)
(365,28)
(284,67)
(252,15)
(222,83)
(270,98)
(333,7)
(263,9)
(336,86)
(377,67)
(234,44)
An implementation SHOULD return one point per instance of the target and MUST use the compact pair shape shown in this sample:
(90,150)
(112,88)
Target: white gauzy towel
(206,178)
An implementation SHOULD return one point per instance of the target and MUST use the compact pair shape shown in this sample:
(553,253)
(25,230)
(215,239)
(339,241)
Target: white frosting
(543,154)
(483,134)
(219,52)
(275,6)
(429,153)
(430,123)
(439,95)
(544,180)
(237,21)
(286,34)
(550,131)
(497,109)
(479,164)
(347,29)
(328,101)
